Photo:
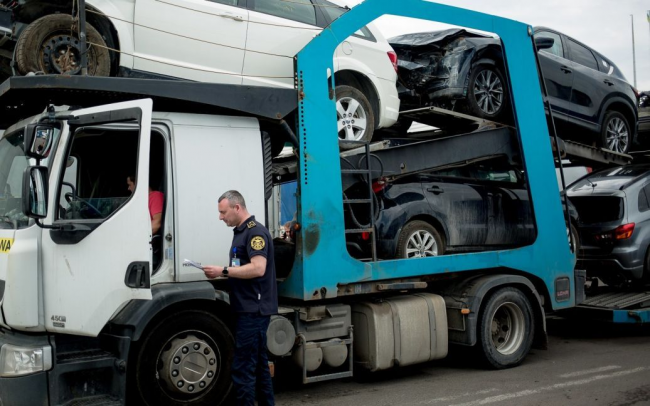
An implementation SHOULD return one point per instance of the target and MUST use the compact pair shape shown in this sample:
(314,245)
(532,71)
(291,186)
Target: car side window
(643,198)
(297,10)
(333,12)
(582,55)
(556,49)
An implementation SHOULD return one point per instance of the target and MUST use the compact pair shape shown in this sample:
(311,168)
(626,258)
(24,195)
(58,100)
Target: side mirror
(544,43)
(38,140)
(35,192)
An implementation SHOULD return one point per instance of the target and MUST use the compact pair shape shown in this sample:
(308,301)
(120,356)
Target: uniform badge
(257,243)
(251,224)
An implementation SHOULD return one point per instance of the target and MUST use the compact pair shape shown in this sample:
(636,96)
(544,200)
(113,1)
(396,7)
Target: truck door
(97,256)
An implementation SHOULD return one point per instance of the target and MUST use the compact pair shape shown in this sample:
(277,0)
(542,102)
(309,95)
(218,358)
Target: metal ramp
(451,122)
(615,305)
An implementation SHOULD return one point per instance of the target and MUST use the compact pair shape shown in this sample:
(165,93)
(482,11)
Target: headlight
(18,361)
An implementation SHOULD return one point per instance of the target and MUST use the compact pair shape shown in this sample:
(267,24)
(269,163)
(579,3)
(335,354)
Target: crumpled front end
(434,67)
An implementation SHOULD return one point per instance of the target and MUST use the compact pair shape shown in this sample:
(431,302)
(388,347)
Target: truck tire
(355,118)
(505,328)
(488,95)
(48,46)
(615,134)
(162,374)
(419,239)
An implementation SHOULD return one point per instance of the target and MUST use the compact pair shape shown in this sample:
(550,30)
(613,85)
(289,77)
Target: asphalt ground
(586,364)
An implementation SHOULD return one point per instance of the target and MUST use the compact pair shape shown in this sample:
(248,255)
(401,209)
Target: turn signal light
(624,232)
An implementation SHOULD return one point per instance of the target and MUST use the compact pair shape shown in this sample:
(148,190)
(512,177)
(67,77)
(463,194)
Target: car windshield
(13,163)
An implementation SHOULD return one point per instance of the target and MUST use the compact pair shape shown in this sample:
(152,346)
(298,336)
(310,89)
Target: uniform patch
(251,224)
(258,243)
(6,243)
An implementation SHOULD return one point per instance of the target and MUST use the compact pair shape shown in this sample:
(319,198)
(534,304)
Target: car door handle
(436,190)
(232,17)
(608,82)
(565,69)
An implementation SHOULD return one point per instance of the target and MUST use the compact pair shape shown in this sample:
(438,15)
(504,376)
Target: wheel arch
(433,222)
(364,84)
(619,105)
(478,288)
(139,316)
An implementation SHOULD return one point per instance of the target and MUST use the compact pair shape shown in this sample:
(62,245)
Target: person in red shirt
(156,200)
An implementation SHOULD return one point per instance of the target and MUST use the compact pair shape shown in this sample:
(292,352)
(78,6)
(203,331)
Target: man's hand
(213,271)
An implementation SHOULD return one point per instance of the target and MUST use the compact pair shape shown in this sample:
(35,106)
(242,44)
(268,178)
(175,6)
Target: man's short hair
(234,197)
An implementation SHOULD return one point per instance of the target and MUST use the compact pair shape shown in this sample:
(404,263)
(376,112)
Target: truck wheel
(615,134)
(47,45)
(354,116)
(505,328)
(185,360)
(488,95)
(419,239)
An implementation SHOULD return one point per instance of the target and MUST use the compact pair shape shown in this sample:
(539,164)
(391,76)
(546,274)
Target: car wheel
(615,134)
(505,328)
(184,360)
(419,239)
(354,116)
(488,95)
(47,45)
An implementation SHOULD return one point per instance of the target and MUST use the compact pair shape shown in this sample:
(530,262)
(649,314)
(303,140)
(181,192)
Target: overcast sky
(604,25)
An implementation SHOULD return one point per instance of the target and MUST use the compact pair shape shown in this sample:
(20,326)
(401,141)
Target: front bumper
(28,390)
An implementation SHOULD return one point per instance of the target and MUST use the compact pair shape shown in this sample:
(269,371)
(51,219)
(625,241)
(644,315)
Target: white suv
(249,42)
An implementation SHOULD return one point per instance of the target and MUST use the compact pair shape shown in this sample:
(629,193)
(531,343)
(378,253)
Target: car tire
(355,117)
(615,133)
(419,239)
(505,328)
(488,95)
(156,382)
(43,45)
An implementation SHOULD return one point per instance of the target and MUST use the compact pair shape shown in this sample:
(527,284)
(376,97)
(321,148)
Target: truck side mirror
(38,140)
(35,192)
(544,43)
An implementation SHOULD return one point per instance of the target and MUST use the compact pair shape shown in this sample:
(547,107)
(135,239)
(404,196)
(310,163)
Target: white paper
(189,262)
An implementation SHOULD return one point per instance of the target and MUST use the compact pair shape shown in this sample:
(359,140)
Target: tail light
(378,186)
(619,233)
(393,59)
(624,232)
(589,169)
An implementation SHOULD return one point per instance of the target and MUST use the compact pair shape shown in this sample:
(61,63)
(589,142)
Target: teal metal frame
(323,262)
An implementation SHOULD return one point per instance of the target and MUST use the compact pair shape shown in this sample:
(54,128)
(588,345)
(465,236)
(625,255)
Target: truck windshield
(13,163)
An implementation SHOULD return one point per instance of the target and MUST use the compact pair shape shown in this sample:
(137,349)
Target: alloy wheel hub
(189,366)
(617,135)
(488,92)
(352,119)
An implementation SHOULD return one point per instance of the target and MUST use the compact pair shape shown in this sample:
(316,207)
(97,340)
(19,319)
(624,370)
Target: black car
(459,70)
(476,207)
(614,223)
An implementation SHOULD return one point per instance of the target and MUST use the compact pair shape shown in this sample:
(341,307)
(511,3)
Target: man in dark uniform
(253,297)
